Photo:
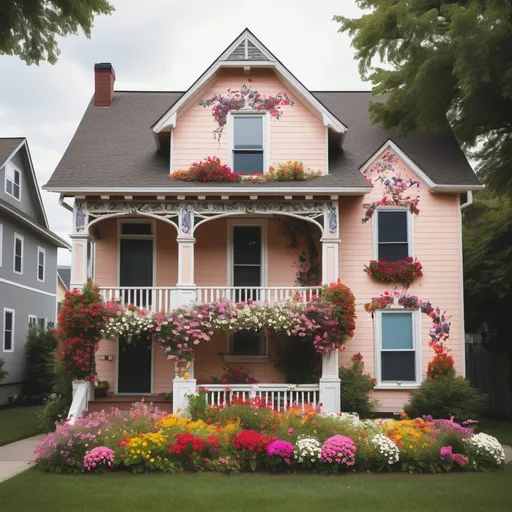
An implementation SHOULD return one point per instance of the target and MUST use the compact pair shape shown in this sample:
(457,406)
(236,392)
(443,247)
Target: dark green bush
(298,360)
(57,404)
(446,396)
(356,387)
(39,349)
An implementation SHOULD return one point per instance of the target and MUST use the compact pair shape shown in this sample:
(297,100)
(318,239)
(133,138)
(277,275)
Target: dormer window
(12,181)
(248,143)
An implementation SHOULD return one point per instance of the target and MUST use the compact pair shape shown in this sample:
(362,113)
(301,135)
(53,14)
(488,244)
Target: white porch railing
(161,298)
(278,396)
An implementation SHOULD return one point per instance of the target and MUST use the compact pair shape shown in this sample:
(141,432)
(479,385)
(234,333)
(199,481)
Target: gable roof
(64,273)
(113,150)
(10,147)
(248,50)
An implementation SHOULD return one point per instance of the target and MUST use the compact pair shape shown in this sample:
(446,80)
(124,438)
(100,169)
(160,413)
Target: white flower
(307,449)
(387,448)
(486,445)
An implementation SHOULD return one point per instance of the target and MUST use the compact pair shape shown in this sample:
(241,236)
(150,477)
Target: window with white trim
(1,243)
(8,344)
(248,143)
(12,181)
(17,264)
(32,320)
(41,322)
(398,345)
(41,263)
(248,344)
(393,236)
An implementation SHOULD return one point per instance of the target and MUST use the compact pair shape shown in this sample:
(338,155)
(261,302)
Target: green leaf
(253,463)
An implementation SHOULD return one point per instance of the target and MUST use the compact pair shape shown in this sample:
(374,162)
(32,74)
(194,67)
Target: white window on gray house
(12,181)
(8,344)
(41,263)
(1,243)
(42,323)
(18,254)
(248,145)
(398,347)
(32,320)
(393,238)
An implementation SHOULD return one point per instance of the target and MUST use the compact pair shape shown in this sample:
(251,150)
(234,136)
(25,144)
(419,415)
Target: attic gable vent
(246,50)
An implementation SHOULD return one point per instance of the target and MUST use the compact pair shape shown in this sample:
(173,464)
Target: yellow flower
(410,446)
(152,460)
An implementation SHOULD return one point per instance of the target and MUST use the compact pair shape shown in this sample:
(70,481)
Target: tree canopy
(28,28)
(444,63)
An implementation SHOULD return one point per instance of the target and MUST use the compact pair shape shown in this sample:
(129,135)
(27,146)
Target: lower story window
(8,330)
(398,347)
(244,343)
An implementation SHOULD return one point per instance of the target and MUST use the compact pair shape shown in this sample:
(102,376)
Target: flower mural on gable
(394,186)
(245,98)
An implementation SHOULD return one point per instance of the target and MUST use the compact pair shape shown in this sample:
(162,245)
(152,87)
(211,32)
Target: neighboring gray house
(28,260)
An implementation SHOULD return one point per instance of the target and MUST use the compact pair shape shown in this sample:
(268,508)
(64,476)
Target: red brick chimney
(104,78)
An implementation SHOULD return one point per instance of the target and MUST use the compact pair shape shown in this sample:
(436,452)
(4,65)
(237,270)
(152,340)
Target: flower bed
(249,437)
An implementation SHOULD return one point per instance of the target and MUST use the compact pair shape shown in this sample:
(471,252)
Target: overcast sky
(165,45)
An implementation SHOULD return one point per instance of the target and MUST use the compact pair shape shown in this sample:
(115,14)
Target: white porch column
(330,243)
(181,387)
(79,260)
(330,383)
(186,241)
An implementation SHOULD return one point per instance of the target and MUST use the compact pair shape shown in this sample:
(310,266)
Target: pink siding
(298,135)
(107,370)
(166,255)
(211,248)
(437,245)
(106,253)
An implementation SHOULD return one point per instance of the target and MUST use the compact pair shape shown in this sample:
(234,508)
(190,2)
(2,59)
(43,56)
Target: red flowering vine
(81,321)
(403,271)
(442,363)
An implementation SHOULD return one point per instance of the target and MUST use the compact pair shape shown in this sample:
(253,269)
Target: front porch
(161,256)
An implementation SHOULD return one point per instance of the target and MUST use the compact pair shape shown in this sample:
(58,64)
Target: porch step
(124,402)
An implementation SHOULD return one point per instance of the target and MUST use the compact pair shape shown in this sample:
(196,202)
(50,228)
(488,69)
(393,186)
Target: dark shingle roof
(115,147)
(7,146)
(64,272)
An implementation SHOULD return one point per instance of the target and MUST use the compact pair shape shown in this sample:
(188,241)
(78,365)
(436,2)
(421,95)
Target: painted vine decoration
(244,98)
(394,187)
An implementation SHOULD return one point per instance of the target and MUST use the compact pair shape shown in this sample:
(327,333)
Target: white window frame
(32,320)
(9,166)
(17,236)
(375,229)
(1,242)
(45,323)
(39,251)
(261,223)
(9,310)
(417,348)
(266,135)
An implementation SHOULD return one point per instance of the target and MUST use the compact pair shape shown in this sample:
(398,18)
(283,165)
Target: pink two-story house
(163,243)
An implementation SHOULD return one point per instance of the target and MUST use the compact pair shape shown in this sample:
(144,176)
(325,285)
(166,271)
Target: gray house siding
(31,242)
(24,303)
(28,203)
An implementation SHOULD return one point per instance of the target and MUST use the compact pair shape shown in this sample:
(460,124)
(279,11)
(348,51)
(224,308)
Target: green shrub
(57,404)
(446,396)
(356,387)
(299,361)
(3,373)
(39,349)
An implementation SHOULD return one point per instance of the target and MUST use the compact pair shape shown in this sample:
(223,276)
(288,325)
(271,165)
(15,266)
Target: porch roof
(113,150)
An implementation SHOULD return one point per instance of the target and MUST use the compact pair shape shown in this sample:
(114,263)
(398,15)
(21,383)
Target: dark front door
(134,372)
(137,270)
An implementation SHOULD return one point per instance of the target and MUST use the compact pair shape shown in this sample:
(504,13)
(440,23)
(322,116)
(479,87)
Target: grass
(500,429)
(18,423)
(211,492)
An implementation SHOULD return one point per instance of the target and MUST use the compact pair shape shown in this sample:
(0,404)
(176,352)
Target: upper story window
(248,144)
(12,181)
(41,263)
(1,243)
(393,235)
(18,254)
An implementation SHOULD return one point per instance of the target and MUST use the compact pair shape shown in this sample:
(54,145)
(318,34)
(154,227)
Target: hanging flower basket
(403,271)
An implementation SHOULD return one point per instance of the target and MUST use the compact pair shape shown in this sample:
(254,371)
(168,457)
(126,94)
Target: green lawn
(501,430)
(210,492)
(18,423)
